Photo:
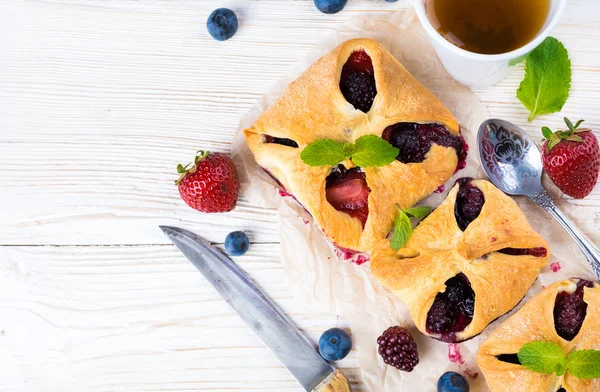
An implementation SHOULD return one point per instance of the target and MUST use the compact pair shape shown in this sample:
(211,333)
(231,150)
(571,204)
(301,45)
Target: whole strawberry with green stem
(572,159)
(210,183)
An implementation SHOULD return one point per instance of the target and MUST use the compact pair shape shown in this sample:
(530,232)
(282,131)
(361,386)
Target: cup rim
(437,37)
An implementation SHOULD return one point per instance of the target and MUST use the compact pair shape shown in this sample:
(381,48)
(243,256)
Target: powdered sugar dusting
(555,267)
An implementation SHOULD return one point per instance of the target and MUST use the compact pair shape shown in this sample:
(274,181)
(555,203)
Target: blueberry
(391,1)
(330,6)
(237,243)
(222,24)
(335,344)
(452,382)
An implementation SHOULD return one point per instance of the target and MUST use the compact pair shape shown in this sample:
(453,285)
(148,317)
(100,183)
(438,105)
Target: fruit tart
(357,89)
(566,313)
(467,263)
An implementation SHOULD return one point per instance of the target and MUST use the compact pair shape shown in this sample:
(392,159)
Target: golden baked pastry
(357,89)
(566,313)
(467,263)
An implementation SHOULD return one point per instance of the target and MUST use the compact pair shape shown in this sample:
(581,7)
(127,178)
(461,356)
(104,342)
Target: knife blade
(276,330)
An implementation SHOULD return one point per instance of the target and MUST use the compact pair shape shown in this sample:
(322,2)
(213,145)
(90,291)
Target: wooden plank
(99,102)
(137,318)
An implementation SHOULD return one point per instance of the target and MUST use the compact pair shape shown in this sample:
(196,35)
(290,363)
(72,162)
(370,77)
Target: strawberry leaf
(569,124)
(575,138)
(547,132)
(577,124)
(553,142)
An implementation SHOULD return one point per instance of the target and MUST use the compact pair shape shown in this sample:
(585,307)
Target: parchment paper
(318,277)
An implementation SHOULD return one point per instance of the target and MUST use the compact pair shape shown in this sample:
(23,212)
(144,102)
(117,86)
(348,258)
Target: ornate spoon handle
(590,252)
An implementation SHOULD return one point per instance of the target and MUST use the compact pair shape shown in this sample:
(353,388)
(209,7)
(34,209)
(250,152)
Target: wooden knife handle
(336,382)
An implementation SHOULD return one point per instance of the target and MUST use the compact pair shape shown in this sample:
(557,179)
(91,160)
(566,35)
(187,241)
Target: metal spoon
(513,163)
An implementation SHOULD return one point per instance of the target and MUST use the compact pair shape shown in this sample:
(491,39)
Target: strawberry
(572,159)
(350,194)
(210,183)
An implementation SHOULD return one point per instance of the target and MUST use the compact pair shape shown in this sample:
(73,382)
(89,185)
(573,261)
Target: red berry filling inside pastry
(570,311)
(536,252)
(469,202)
(452,310)
(279,140)
(415,140)
(347,191)
(357,82)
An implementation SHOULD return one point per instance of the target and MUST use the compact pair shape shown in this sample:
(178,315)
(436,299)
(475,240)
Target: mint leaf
(418,212)
(543,357)
(584,363)
(516,61)
(371,150)
(547,81)
(324,152)
(402,230)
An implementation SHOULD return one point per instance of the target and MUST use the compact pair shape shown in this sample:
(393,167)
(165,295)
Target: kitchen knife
(259,312)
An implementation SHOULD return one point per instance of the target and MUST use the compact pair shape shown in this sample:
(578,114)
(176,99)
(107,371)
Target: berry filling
(357,82)
(535,252)
(415,140)
(347,191)
(469,202)
(509,358)
(570,311)
(279,140)
(452,310)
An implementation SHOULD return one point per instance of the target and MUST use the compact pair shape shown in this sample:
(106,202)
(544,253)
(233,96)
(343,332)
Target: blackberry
(415,140)
(398,349)
(360,90)
(570,311)
(453,309)
(469,202)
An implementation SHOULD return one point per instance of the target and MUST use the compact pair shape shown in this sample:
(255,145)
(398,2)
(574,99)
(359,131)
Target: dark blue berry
(237,243)
(391,1)
(330,6)
(452,382)
(335,344)
(222,24)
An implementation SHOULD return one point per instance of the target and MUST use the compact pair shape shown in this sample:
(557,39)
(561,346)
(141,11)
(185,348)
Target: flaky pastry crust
(438,250)
(313,108)
(533,322)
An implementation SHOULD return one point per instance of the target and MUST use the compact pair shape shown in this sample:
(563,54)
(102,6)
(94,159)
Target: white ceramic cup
(482,70)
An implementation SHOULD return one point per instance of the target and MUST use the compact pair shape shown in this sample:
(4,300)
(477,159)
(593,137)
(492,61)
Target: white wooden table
(98,103)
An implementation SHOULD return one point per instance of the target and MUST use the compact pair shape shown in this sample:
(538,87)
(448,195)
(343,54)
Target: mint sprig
(548,357)
(584,363)
(367,151)
(326,152)
(543,357)
(547,81)
(402,226)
